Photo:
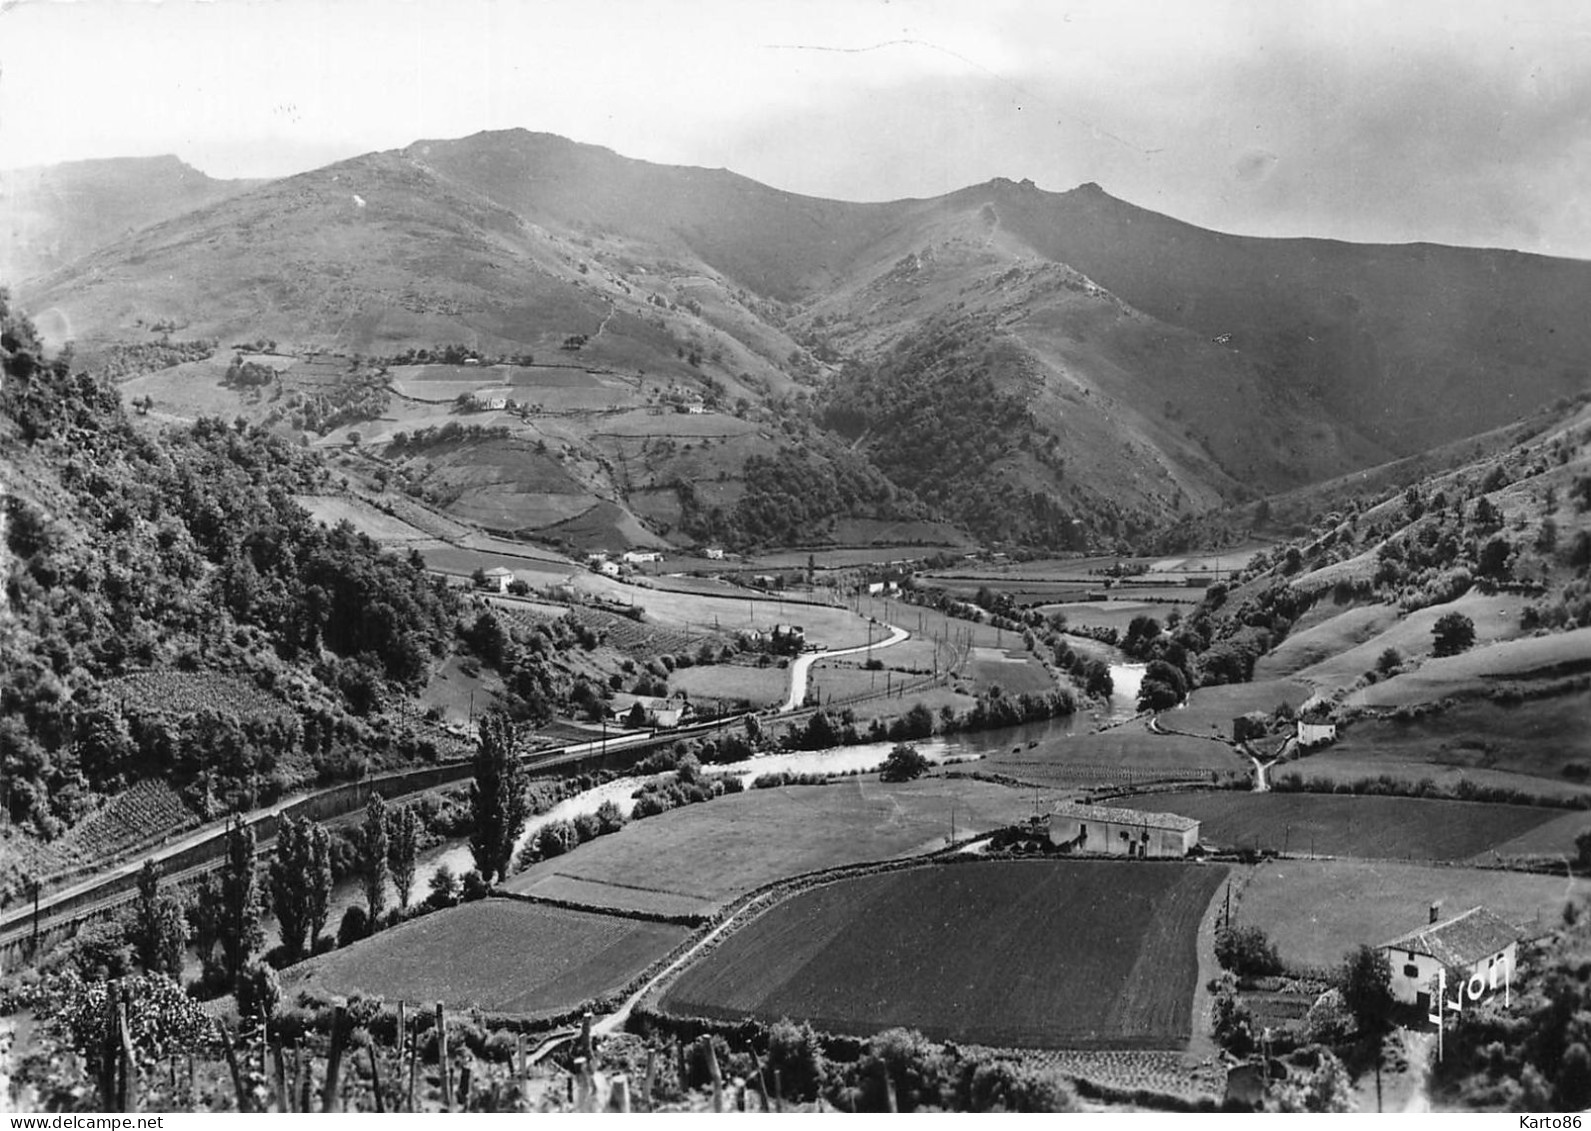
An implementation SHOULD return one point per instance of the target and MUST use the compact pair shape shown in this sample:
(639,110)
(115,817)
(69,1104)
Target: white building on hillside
(1316,734)
(497,580)
(1476,949)
(1121,832)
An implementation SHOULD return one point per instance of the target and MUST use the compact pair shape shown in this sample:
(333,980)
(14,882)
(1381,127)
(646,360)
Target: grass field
(1124,754)
(1210,710)
(1341,825)
(497,955)
(1010,669)
(1316,911)
(1039,954)
(1316,642)
(699,857)
(761,686)
(1525,745)
(1495,618)
(830,625)
(1481,669)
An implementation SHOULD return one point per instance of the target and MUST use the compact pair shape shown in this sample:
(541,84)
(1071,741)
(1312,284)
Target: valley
(819,561)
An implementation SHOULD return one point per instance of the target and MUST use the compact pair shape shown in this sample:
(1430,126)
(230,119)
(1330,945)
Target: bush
(259,991)
(500,1047)
(1247,952)
(904,763)
(444,888)
(474,886)
(355,925)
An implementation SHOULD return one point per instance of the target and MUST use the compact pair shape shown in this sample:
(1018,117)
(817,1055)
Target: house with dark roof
(1121,832)
(1474,948)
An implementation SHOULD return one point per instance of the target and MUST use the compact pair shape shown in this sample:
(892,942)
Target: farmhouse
(497,580)
(715,553)
(490,399)
(658,712)
(636,557)
(1316,734)
(606,568)
(1121,832)
(1476,946)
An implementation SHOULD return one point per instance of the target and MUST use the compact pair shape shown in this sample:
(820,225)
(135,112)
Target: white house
(1477,950)
(1121,832)
(658,712)
(715,553)
(490,401)
(606,568)
(497,580)
(1316,734)
(636,557)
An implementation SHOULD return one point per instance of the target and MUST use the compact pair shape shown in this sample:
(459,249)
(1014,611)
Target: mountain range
(1095,369)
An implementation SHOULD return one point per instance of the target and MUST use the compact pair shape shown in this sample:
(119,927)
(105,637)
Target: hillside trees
(182,549)
(497,797)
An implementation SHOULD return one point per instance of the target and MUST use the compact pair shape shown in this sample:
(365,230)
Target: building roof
(1461,940)
(1173,821)
(499,571)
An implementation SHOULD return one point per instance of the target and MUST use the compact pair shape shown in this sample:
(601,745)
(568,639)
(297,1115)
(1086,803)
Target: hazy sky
(1390,121)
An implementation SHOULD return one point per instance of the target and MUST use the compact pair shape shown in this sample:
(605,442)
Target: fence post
(441,1058)
(334,1062)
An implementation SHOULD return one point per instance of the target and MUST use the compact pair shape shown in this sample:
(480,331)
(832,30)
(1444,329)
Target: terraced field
(1045,954)
(1125,754)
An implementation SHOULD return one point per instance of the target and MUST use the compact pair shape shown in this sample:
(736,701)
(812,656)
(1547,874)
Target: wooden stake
(519,1054)
(414,1061)
(284,1098)
(889,1089)
(715,1074)
(237,1076)
(302,1079)
(375,1079)
(441,1058)
(651,1078)
(109,1052)
(619,1100)
(762,1081)
(127,1089)
(464,1083)
(684,1073)
(331,1097)
(778,1093)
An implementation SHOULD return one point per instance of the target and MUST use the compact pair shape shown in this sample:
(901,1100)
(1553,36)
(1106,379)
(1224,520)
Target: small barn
(1476,947)
(1121,832)
(497,580)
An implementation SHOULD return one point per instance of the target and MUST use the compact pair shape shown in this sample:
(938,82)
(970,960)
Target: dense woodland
(183,551)
(945,414)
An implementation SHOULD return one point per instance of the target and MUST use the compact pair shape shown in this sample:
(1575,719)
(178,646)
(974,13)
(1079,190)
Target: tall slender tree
(373,858)
(159,930)
(403,852)
(290,885)
(320,882)
(239,934)
(497,797)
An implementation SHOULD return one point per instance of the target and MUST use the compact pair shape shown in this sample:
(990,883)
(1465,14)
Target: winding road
(803,663)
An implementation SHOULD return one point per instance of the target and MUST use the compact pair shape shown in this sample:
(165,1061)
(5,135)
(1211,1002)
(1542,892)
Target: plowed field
(1045,954)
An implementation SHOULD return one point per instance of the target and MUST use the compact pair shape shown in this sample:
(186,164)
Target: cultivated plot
(1048,954)
(697,858)
(497,955)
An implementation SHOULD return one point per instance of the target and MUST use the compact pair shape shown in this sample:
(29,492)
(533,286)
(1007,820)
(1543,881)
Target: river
(843,759)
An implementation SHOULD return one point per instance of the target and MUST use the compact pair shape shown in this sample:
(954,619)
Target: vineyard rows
(148,810)
(186,692)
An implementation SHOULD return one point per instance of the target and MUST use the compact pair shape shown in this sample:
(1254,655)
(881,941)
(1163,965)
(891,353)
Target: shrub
(259,991)
(796,1053)
(1247,952)
(355,925)
(474,886)
(905,763)
(444,888)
